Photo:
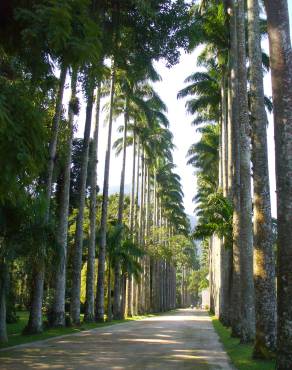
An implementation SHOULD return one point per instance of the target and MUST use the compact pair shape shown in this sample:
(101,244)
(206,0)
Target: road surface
(184,339)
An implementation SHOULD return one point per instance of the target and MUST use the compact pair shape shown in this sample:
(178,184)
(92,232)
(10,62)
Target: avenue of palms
(74,253)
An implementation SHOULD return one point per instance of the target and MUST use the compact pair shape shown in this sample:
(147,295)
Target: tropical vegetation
(71,252)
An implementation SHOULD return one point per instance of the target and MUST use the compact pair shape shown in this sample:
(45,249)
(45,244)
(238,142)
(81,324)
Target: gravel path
(184,339)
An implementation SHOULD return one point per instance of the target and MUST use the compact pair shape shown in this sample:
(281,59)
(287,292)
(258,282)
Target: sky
(180,125)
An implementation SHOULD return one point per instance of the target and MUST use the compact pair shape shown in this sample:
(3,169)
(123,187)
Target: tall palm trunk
(136,225)
(109,292)
(99,314)
(234,174)
(58,308)
(224,137)
(90,274)
(132,209)
(3,288)
(118,314)
(281,68)
(264,263)
(246,232)
(78,245)
(35,322)
(225,252)
(147,231)
(132,217)
(141,234)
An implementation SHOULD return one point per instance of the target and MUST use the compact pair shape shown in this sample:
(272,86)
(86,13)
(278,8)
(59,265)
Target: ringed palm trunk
(3,288)
(225,252)
(78,245)
(35,322)
(118,312)
(58,308)
(99,314)
(109,292)
(90,274)
(141,235)
(281,68)
(136,226)
(132,216)
(246,232)
(234,176)
(264,263)
(147,257)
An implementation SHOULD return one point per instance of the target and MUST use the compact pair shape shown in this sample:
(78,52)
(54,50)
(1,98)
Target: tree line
(249,252)
(66,249)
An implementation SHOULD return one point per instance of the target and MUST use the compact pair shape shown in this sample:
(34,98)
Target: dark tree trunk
(90,275)
(35,322)
(234,180)
(109,293)
(3,288)
(246,232)
(264,262)
(118,314)
(78,244)
(99,312)
(281,67)
(58,308)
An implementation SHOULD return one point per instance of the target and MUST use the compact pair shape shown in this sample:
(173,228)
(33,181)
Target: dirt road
(180,340)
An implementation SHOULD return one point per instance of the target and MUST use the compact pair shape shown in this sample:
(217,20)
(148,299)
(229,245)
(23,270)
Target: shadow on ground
(180,340)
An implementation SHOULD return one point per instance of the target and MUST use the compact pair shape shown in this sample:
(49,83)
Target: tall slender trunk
(246,231)
(3,288)
(264,262)
(109,293)
(99,313)
(146,234)
(225,252)
(35,322)
(58,308)
(224,139)
(132,217)
(137,210)
(281,68)
(78,245)
(90,274)
(234,175)
(118,314)
(141,235)
(132,208)
(136,226)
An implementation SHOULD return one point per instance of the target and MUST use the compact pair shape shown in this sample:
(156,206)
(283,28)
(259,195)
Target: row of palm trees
(229,104)
(105,50)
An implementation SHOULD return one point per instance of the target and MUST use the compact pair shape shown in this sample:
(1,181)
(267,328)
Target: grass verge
(15,336)
(240,354)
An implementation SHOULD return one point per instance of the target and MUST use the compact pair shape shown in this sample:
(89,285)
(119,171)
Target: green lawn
(15,336)
(240,354)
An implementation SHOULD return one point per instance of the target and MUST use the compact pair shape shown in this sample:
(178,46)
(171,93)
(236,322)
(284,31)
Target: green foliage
(65,30)
(215,218)
(22,137)
(121,247)
(197,281)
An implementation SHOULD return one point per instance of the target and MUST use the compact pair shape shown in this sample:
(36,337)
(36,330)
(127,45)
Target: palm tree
(35,322)
(246,234)
(99,313)
(90,275)
(264,268)
(281,68)
(58,308)
(78,245)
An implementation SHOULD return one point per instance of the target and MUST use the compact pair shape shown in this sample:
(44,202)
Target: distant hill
(116,189)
